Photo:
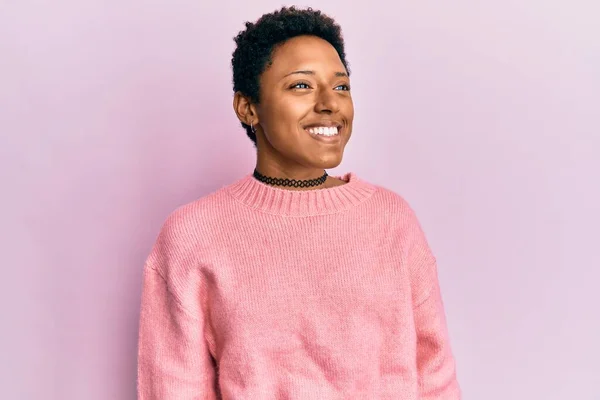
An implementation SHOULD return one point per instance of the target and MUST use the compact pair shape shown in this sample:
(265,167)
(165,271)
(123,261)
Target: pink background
(485,117)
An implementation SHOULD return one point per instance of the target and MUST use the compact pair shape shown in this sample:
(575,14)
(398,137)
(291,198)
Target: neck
(298,173)
(271,163)
(291,183)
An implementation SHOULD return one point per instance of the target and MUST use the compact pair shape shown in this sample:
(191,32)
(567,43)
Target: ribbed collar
(275,200)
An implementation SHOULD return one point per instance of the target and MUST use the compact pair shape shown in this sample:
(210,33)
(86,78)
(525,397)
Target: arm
(174,362)
(435,362)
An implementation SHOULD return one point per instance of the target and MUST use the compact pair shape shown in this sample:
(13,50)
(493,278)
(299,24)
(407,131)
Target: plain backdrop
(484,115)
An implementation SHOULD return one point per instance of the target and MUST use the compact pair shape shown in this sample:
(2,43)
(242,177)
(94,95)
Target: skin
(306,84)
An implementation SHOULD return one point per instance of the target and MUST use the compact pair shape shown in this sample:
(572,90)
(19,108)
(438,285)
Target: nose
(327,101)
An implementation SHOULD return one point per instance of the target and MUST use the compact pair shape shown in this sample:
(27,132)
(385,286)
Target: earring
(252,128)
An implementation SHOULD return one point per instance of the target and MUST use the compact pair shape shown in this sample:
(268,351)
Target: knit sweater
(257,292)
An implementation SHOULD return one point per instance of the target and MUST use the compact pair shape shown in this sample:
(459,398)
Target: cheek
(350,104)
(287,113)
(296,107)
(348,109)
(282,117)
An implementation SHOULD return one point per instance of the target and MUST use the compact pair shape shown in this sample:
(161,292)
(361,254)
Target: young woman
(290,283)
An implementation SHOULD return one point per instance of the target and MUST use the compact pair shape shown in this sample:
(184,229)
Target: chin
(318,158)
(328,162)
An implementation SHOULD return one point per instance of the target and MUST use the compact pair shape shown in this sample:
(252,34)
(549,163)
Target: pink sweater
(257,292)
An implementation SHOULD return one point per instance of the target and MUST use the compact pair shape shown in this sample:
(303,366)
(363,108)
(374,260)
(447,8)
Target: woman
(290,283)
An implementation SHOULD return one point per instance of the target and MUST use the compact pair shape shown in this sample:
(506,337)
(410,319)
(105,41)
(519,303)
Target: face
(306,111)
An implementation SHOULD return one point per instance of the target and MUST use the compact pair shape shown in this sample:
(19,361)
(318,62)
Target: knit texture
(259,292)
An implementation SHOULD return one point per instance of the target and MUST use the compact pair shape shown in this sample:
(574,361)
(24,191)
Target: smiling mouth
(327,131)
(325,134)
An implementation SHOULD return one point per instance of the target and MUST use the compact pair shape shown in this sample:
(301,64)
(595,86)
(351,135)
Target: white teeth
(325,131)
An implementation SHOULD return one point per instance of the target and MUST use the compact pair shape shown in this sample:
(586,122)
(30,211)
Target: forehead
(304,52)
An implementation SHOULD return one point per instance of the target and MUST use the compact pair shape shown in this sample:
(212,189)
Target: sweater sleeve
(174,362)
(435,361)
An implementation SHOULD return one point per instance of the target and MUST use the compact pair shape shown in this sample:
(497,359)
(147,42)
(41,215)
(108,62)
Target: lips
(329,135)
(325,131)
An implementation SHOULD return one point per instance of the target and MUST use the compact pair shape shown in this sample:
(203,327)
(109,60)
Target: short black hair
(255,45)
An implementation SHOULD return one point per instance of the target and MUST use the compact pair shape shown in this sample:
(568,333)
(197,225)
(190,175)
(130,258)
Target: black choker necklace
(290,182)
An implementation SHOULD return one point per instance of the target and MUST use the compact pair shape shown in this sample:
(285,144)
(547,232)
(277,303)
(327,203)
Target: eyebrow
(308,72)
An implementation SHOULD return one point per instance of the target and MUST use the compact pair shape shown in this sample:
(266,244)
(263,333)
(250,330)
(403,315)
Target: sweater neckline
(274,200)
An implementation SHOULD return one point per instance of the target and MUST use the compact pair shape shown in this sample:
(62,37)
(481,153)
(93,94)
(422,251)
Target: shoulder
(406,226)
(392,203)
(187,229)
(190,218)
(392,209)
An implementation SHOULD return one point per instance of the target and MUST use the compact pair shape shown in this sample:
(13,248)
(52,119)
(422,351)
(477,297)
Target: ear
(245,109)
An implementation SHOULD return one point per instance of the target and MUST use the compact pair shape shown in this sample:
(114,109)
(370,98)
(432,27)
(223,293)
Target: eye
(344,87)
(300,85)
